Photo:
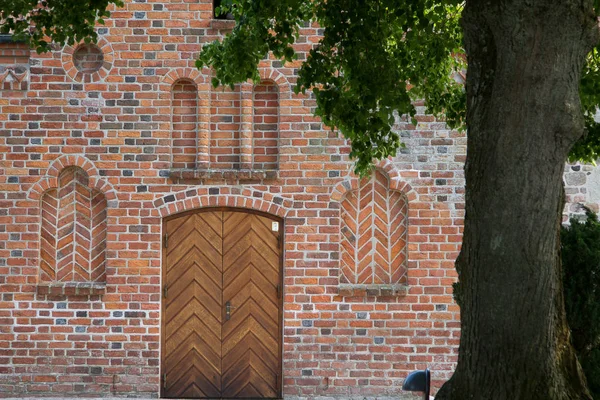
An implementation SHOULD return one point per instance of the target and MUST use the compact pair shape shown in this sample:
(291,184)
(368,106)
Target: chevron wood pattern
(73,230)
(251,352)
(215,257)
(373,233)
(193,310)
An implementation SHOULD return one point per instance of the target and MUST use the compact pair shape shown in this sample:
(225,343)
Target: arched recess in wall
(265,129)
(374,230)
(245,125)
(184,120)
(73,231)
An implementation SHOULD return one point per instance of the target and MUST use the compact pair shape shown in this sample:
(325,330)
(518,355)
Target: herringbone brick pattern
(73,231)
(374,229)
(97,241)
(48,236)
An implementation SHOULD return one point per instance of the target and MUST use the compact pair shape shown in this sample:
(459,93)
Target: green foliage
(587,149)
(581,268)
(591,366)
(373,61)
(262,26)
(42,22)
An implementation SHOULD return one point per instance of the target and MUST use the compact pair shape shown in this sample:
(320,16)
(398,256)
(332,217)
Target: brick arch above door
(223,196)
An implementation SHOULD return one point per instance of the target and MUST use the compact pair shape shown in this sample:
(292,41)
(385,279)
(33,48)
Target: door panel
(250,280)
(192,317)
(213,259)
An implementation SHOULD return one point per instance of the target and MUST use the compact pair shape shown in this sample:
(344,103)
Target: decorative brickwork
(232,197)
(237,130)
(13,78)
(50,181)
(88,62)
(202,139)
(73,231)
(374,234)
(88,58)
(14,65)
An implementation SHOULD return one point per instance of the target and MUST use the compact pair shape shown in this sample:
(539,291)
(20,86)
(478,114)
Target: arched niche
(265,130)
(374,229)
(184,120)
(73,230)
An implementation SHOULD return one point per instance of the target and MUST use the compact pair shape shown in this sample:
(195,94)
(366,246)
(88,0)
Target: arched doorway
(222,304)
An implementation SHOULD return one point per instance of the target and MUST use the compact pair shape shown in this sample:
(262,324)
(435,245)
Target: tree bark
(524,114)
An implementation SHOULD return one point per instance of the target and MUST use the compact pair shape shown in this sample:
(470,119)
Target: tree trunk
(524,113)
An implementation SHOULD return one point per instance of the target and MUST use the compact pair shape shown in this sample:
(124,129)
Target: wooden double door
(221,324)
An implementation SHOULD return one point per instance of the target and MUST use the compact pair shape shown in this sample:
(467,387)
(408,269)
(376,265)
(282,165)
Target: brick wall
(12,53)
(265,131)
(225,124)
(14,64)
(147,134)
(184,131)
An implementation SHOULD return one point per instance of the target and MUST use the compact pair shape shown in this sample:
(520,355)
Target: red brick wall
(14,53)
(14,66)
(122,126)
(225,120)
(184,131)
(265,131)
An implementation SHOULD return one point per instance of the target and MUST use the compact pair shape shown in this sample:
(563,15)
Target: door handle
(228,308)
